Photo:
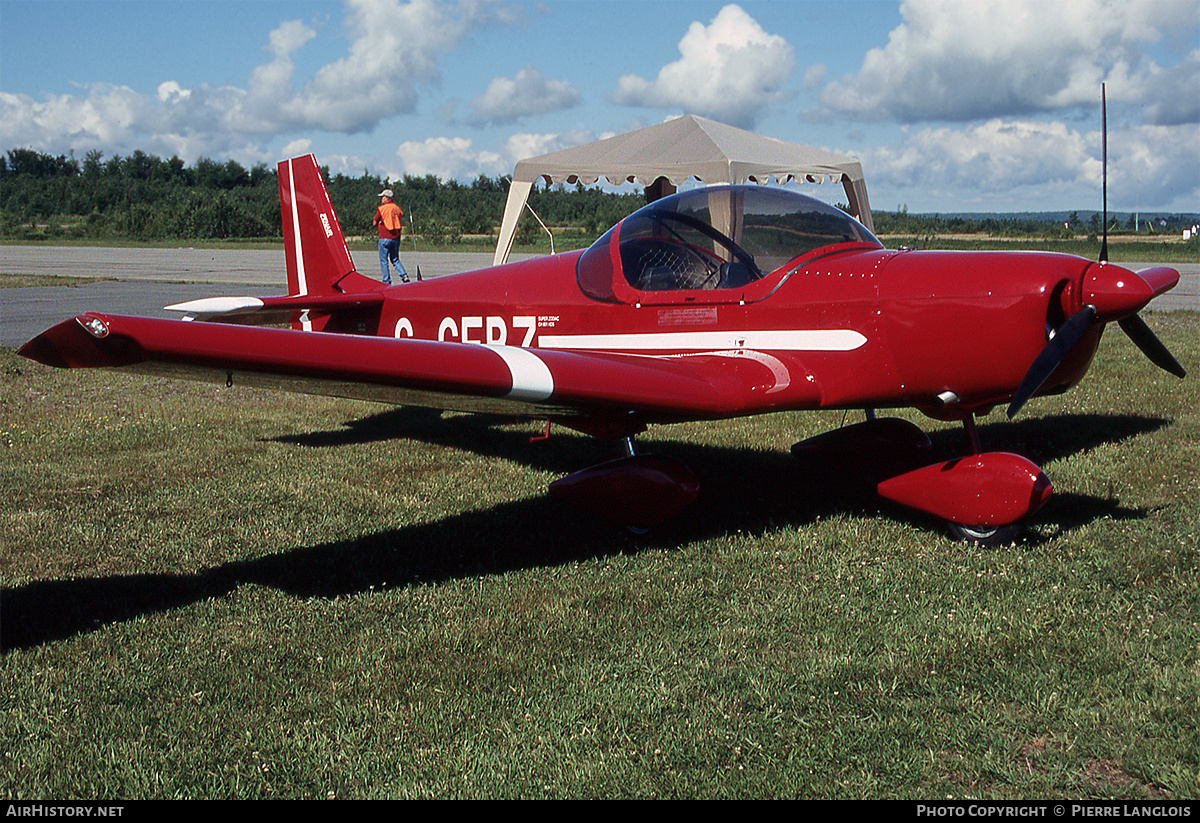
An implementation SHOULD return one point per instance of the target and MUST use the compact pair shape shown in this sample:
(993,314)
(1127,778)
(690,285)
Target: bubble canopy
(713,239)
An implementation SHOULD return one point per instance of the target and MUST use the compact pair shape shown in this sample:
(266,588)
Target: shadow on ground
(748,490)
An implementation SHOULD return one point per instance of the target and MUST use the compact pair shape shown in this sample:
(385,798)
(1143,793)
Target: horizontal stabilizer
(262,310)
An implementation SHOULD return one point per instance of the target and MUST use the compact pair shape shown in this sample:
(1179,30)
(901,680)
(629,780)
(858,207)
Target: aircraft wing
(456,376)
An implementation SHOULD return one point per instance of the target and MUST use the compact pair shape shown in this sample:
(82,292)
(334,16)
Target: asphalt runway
(142,281)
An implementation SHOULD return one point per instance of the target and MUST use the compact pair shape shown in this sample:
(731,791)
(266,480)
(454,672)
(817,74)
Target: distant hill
(1084,215)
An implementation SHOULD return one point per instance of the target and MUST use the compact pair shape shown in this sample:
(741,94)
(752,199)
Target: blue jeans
(389,250)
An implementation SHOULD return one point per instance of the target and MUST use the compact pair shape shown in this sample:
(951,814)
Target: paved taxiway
(142,281)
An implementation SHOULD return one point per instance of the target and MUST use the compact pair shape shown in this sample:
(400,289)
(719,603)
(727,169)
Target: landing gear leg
(631,451)
(986,536)
(972,434)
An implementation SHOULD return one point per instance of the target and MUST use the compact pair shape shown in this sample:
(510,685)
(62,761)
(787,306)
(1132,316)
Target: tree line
(143,197)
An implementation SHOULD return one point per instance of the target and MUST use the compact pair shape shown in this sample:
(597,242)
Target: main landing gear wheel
(986,536)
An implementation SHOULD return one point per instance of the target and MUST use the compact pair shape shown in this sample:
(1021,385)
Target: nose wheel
(986,536)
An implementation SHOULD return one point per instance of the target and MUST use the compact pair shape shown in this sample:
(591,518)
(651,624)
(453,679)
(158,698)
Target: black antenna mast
(1104,174)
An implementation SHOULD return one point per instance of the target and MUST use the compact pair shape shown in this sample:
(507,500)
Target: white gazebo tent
(676,151)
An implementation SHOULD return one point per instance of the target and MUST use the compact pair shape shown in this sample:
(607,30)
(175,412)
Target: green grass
(20,281)
(214,592)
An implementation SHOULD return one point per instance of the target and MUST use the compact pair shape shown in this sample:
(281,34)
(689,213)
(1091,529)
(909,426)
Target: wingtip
(82,342)
(42,350)
(51,347)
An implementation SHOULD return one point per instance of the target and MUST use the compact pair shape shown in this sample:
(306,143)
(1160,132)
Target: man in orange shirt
(389,219)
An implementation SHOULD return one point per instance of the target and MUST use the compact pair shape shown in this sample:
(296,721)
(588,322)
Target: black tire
(986,536)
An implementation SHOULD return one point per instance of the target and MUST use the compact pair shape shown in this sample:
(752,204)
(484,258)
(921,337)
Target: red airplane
(713,303)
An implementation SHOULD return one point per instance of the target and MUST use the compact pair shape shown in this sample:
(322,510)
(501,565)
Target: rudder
(317,257)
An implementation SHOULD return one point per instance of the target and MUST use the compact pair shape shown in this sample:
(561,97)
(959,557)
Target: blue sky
(951,105)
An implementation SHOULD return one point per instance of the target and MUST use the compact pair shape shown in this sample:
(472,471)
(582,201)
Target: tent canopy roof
(678,150)
(688,147)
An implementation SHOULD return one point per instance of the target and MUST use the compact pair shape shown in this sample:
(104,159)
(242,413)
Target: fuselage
(947,332)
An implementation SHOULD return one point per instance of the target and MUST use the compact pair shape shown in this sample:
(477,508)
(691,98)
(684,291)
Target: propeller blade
(1056,350)
(1151,346)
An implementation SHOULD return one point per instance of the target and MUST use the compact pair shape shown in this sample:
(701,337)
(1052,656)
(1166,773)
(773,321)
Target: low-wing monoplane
(713,303)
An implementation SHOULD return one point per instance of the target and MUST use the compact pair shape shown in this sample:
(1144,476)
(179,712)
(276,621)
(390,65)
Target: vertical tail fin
(317,257)
(318,262)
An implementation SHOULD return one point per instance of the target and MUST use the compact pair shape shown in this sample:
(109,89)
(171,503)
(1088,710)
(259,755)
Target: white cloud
(295,148)
(995,156)
(446,158)
(394,47)
(1004,165)
(521,146)
(528,93)
(814,75)
(457,157)
(1169,96)
(730,70)
(108,115)
(1154,165)
(170,90)
(257,111)
(961,60)
(351,165)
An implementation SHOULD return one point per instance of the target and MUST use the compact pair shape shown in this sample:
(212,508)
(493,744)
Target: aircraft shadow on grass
(762,490)
(1041,439)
